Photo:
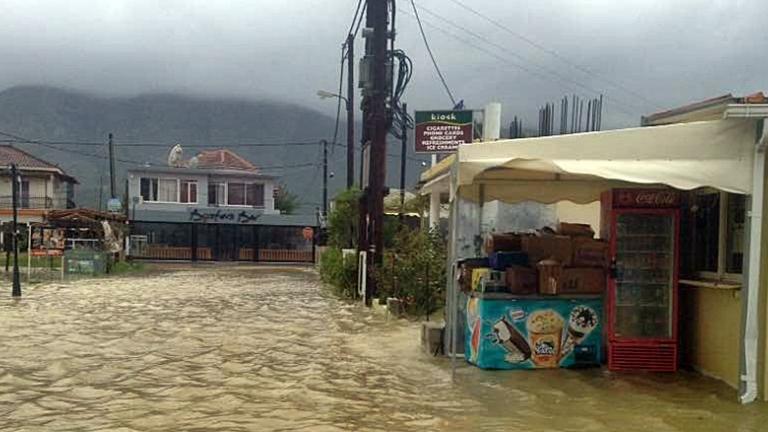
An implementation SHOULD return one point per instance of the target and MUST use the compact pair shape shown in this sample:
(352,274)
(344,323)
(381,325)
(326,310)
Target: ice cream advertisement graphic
(532,334)
(581,322)
(506,335)
(545,330)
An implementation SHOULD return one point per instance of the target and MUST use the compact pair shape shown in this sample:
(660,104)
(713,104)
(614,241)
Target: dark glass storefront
(220,242)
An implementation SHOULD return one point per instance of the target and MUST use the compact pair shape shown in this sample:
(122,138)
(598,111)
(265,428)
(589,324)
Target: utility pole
(403,150)
(377,115)
(350,111)
(325,178)
(16,291)
(112,188)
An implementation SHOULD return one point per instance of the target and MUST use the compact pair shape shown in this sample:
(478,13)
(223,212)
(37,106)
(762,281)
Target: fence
(219,242)
(36,202)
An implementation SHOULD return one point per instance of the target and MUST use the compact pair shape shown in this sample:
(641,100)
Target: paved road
(261,349)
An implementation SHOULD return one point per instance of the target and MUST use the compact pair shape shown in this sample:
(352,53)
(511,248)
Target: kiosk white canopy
(578,167)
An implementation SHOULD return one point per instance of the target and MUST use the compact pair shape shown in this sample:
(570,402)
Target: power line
(499,57)
(511,52)
(553,53)
(431,55)
(22,140)
(166,145)
(338,96)
(354,18)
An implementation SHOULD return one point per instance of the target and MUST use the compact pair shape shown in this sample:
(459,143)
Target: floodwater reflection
(257,349)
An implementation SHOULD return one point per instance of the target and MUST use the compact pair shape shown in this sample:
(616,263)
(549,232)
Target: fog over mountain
(157,121)
(644,55)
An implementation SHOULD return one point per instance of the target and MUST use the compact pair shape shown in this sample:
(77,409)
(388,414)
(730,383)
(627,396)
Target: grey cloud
(670,52)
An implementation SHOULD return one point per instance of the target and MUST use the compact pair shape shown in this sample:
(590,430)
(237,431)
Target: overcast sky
(644,55)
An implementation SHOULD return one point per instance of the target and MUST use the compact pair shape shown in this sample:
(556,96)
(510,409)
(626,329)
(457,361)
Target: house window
(718,236)
(706,239)
(188,192)
(159,189)
(236,194)
(255,195)
(24,198)
(734,233)
(168,190)
(217,193)
(149,189)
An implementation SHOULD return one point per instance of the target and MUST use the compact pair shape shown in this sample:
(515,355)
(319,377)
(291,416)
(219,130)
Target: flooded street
(262,349)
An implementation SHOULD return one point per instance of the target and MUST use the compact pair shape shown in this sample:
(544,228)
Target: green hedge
(338,273)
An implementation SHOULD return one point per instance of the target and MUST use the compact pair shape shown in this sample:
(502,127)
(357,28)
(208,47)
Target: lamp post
(322,94)
(16,179)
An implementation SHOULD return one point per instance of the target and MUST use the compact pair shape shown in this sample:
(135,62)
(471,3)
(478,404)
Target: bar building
(215,206)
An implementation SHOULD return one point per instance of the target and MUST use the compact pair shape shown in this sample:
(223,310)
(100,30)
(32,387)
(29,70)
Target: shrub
(339,273)
(343,219)
(414,270)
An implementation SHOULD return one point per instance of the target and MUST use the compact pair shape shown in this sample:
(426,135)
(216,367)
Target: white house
(215,206)
(43,187)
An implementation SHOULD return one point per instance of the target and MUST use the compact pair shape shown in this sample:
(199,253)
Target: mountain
(158,121)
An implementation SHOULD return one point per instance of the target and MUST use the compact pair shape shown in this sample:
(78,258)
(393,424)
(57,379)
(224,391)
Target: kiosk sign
(442,131)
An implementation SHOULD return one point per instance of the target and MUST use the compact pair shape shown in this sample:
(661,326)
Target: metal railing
(28,202)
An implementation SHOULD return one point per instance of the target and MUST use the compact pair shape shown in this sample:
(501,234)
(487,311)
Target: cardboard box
(477,276)
(465,271)
(493,282)
(555,247)
(501,260)
(550,273)
(522,280)
(575,230)
(502,243)
(588,252)
(582,280)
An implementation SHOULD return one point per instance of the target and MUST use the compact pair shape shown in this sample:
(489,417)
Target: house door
(226,244)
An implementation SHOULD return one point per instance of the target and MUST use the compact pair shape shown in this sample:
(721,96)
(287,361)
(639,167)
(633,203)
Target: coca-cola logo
(656,198)
(645,198)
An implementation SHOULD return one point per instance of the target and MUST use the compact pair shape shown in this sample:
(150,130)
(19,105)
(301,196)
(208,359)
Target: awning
(578,167)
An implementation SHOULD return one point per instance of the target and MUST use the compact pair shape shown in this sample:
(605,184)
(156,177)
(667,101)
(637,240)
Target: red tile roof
(10,155)
(223,159)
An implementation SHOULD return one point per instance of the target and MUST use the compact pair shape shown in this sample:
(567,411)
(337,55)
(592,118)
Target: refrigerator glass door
(645,257)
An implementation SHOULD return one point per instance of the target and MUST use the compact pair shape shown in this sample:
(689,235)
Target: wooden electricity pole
(377,116)
(350,111)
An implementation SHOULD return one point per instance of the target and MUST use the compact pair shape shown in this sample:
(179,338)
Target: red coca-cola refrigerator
(642,227)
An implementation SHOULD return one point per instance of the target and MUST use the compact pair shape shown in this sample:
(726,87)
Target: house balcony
(36,203)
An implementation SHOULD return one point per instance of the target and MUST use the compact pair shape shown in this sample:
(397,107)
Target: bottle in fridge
(642,227)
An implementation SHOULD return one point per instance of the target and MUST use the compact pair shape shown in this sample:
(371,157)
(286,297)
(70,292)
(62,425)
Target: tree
(285,201)
(343,219)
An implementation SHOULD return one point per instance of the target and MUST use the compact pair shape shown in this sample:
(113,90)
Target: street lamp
(322,94)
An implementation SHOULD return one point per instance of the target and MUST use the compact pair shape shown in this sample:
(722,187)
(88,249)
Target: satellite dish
(192,163)
(175,156)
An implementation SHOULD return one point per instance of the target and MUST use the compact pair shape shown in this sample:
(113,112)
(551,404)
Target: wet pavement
(266,349)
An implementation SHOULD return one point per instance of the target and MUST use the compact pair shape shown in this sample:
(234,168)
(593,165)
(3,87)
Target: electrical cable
(554,53)
(338,98)
(495,55)
(22,140)
(488,41)
(431,55)
(354,18)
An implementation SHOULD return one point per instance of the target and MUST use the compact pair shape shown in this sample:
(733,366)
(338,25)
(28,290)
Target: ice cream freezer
(507,331)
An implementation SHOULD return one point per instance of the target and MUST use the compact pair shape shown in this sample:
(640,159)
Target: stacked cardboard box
(569,259)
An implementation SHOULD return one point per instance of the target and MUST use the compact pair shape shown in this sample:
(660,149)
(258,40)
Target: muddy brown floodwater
(266,349)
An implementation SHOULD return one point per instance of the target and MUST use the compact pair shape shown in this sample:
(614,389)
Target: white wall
(134,189)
